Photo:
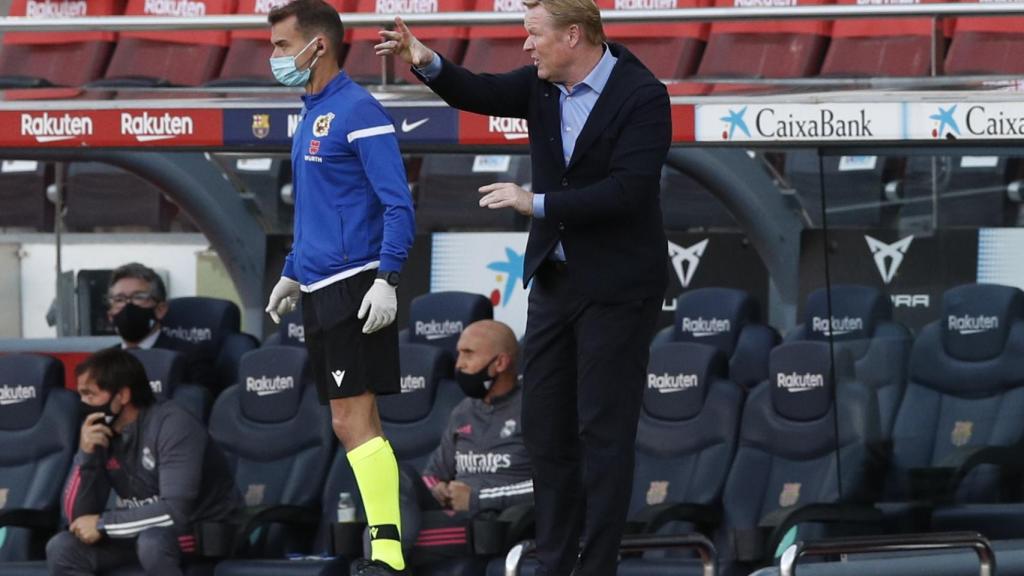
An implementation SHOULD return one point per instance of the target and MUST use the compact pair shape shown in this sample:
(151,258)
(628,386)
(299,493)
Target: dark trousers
(155,549)
(585,368)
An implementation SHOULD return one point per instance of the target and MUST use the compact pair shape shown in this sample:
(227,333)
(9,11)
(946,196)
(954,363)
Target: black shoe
(367,567)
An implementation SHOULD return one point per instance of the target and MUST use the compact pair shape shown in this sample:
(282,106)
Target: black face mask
(476,385)
(134,322)
(108,414)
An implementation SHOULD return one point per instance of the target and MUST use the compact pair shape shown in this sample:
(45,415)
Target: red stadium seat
(986,46)
(876,47)
(186,58)
(449,41)
(670,50)
(765,49)
(496,48)
(30,60)
(246,62)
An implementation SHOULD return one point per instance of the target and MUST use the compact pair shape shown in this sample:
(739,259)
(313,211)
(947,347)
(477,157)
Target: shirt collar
(336,84)
(598,77)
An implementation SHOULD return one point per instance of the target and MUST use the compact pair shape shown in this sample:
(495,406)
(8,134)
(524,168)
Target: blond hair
(583,13)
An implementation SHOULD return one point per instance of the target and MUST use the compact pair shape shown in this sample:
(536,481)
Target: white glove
(382,304)
(283,299)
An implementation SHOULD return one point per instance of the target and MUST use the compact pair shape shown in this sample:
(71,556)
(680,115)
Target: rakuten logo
(406,6)
(644,4)
(266,386)
(48,128)
(509,6)
(47,9)
(16,394)
(147,128)
(174,8)
(702,328)
(764,3)
(836,326)
(265,6)
(434,330)
(297,331)
(795,382)
(967,325)
(473,463)
(668,383)
(510,128)
(193,335)
(412,383)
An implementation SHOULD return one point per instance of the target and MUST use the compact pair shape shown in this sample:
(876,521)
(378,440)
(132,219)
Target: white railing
(364,20)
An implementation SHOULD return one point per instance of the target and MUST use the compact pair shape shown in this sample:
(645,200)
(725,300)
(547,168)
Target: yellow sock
(376,472)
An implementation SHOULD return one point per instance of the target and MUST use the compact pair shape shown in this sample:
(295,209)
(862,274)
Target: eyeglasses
(138,298)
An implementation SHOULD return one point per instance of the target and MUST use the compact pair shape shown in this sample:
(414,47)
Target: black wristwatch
(390,277)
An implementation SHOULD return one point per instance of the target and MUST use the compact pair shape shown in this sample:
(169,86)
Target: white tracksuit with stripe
(483,447)
(165,471)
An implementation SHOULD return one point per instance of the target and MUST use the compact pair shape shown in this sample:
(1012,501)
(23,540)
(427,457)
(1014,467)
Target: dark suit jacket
(604,205)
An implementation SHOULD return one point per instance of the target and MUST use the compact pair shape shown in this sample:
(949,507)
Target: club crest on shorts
(322,124)
(790,494)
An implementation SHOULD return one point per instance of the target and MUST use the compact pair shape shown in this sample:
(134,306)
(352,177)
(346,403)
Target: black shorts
(345,362)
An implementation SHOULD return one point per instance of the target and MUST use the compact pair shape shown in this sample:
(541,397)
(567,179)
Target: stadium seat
(413,423)
(168,58)
(278,440)
(166,372)
(449,41)
(764,49)
(70,59)
(104,196)
(789,460)
(23,202)
(881,47)
(415,419)
(291,331)
(448,197)
(669,50)
(496,49)
(729,320)
(986,46)
(859,322)
(206,331)
(39,422)
(972,191)
(246,61)
(855,186)
(965,391)
(688,429)
(439,318)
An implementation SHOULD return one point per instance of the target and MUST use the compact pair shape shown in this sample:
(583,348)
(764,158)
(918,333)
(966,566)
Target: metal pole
(58,225)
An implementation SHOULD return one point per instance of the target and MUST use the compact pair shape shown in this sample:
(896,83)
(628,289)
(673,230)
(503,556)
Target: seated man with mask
(168,475)
(136,305)
(481,465)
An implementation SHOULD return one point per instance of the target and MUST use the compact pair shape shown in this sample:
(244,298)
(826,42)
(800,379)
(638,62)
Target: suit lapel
(610,100)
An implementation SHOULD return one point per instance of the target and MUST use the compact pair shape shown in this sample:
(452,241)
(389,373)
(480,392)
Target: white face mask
(286,70)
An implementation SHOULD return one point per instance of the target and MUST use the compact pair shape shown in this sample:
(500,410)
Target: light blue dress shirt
(575,107)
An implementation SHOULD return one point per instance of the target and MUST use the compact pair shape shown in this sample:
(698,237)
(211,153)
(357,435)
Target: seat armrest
(776,524)
(652,518)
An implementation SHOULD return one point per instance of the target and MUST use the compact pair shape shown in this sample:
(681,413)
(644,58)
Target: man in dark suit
(600,128)
(136,304)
